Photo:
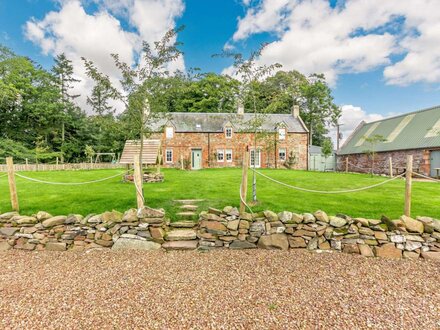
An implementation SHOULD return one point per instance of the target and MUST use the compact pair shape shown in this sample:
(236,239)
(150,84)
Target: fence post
(391,166)
(408,185)
(346,164)
(138,182)
(159,158)
(244,181)
(12,186)
(27,165)
(181,162)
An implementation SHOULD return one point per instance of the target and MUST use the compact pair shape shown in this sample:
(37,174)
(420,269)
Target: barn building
(206,140)
(416,133)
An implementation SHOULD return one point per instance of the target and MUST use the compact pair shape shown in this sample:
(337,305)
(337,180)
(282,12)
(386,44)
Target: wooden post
(346,164)
(181,162)
(57,161)
(159,158)
(138,182)
(244,180)
(27,165)
(12,186)
(391,166)
(408,185)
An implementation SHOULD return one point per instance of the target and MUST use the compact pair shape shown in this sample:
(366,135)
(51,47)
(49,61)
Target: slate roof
(415,130)
(216,122)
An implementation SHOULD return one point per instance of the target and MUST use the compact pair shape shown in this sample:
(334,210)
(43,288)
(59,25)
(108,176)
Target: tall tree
(101,95)
(65,80)
(250,73)
(142,88)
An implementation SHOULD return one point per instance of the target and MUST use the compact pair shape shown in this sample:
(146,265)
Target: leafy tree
(372,142)
(64,80)
(250,73)
(101,95)
(141,84)
(326,150)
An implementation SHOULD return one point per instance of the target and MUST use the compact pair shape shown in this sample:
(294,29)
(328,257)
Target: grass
(220,187)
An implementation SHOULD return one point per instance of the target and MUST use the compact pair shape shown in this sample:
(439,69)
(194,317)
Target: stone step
(188,201)
(189,207)
(181,235)
(180,245)
(187,215)
(183,224)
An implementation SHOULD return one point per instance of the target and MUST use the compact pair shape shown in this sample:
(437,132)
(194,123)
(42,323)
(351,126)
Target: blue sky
(380,57)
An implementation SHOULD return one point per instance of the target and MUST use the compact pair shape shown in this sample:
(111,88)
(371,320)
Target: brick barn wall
(209,143)
(362,162)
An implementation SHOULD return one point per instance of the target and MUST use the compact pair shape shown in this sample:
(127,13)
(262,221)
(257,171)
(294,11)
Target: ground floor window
(169,155)
(255,157)
(220,155)
(228,155)
(282,154)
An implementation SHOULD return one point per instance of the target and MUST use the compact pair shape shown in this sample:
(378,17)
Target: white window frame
(282,133)
(171,156)
(228,152)
(169,132)
(285,154)
(228,132)
(257,160)
(222,153)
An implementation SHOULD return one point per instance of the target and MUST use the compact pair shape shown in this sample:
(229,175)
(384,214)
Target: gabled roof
(215,122)
(133,147)
(415,130)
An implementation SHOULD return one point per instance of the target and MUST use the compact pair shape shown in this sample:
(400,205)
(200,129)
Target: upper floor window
(169,132)
(228,132)
(282,133)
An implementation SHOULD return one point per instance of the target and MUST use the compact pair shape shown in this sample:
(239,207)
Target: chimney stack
(295,111)
(240,108)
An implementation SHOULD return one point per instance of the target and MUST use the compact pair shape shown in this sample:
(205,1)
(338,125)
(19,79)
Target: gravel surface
(221,289)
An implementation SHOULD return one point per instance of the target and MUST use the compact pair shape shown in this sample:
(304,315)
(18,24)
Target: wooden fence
(62,167)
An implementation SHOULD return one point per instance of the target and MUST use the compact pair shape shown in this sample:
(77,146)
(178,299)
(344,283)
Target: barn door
(435,162)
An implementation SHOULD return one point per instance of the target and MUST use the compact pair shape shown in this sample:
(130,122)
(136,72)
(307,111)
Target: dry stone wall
(149,229)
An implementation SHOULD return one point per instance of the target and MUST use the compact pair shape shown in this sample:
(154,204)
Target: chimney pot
(295,111)
(240,108)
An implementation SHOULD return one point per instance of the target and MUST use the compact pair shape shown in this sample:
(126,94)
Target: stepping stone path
(183,235)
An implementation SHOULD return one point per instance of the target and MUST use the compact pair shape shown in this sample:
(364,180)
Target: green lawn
(220,187)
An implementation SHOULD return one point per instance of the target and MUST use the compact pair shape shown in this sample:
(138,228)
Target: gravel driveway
(252,289)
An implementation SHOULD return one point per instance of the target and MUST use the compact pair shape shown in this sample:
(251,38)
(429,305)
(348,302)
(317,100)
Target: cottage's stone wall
(183,143)
(362,162)
(148,229)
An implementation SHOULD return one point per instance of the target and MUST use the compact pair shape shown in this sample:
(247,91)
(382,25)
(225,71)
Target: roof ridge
(404,114)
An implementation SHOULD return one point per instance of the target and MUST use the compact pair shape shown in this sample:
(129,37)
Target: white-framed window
(169,132)
(282,154)
(228,153)
(220,155)
(169,155)
(228,132)
(282,133)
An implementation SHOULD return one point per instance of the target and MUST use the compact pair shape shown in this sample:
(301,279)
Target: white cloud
(355,36)
(73,31)
(351,117)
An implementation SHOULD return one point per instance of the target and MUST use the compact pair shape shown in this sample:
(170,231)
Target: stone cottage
(204,140)
(416,133)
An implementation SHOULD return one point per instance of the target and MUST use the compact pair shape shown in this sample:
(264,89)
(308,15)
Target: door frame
(193,150)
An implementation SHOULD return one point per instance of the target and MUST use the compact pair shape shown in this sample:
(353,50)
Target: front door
(196,159)
(255,156)
(435,163)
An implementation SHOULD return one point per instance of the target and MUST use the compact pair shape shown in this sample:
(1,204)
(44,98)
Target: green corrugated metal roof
(415,130)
